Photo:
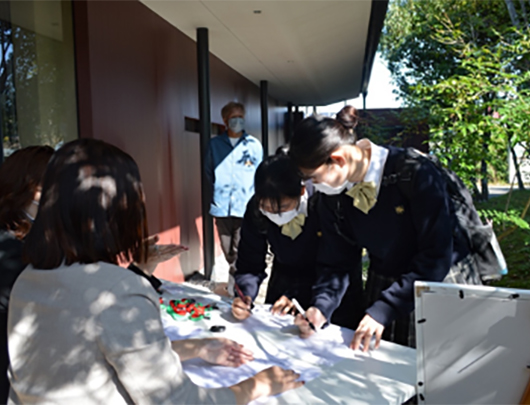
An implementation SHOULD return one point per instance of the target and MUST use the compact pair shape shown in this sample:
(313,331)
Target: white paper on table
(332,371)
(273,339)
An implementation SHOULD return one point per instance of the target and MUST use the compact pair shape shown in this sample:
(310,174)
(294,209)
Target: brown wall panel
(137,80)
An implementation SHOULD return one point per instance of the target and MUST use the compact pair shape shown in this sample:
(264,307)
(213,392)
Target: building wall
(137,81)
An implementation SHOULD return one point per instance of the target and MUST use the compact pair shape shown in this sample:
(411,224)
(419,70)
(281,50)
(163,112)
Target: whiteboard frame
(427,291)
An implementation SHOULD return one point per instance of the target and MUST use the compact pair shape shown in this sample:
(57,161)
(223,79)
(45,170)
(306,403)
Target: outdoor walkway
(497,190)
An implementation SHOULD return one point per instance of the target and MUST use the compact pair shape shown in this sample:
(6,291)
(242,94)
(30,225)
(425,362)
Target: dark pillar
(364,100)
(1,139)
(264,93)
(205,128)
(289,123)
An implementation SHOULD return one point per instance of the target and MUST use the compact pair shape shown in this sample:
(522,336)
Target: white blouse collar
(377,163)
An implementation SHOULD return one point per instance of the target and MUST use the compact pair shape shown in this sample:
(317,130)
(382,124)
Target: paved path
(497,190)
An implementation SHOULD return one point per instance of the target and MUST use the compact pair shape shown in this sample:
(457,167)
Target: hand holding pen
(241,306)
(309,321)
(302,312)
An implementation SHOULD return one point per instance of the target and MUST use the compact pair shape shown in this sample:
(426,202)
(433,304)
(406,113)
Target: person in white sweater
(82,329)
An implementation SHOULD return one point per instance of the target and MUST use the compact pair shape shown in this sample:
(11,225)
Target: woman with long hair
(407,239)
(20,188)
(83,329)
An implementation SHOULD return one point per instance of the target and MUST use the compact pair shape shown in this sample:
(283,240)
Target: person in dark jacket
(20,187)
(281,214)
(407,239)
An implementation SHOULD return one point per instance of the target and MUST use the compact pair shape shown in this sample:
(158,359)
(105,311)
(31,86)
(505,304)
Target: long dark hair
(277,177)
(20,176)
(317,137)
(92,208)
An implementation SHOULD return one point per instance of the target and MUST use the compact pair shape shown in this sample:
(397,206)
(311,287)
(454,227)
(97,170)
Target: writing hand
(314,316)
(240,308)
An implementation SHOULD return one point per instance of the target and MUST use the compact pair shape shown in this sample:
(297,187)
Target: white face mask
(329,190)
(282,218)
(236,124)
(287,216)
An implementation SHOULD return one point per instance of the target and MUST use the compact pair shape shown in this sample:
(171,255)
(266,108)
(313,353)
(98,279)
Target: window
(37,74)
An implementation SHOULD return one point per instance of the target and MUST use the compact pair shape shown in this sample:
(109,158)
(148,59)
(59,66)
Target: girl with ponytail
(364,206)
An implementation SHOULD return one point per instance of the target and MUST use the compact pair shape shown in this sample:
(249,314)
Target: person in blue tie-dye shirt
(231,162)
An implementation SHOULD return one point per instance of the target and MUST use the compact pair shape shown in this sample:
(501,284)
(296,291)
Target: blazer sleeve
(335,260)
(132,340)
(251,254)
(433,223)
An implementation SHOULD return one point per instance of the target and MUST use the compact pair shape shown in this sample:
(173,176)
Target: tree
(458,62)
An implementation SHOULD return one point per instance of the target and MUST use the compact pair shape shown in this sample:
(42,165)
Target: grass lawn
(515,246)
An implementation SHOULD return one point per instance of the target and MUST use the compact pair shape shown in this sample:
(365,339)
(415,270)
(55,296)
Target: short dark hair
(316,138)
(231,106)
(20,176)
(92,208)
(277,177)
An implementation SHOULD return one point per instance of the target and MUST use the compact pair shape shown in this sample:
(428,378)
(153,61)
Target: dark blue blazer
(294,259)
(406,239)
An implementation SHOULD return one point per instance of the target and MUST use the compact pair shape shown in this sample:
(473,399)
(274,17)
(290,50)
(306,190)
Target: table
(333,372)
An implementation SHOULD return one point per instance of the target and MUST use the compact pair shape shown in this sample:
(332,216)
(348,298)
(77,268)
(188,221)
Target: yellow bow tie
(364,195)
(293,228)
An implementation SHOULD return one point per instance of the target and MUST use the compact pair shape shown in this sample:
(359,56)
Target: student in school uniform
(283,215)
(407,239)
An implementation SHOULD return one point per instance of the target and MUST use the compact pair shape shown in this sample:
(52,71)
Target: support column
(364,100)
(1,140)
(264,93)
(289,123)
(205,129)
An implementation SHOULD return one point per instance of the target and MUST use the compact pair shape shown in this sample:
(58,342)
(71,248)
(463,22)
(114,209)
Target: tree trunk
(484,168)
(512,12)
(475,192)
(484,180)
(517,171)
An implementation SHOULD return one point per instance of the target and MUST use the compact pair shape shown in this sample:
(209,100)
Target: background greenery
(514,236)
(462,67)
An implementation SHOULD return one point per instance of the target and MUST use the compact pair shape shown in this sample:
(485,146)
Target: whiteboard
(473,344)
